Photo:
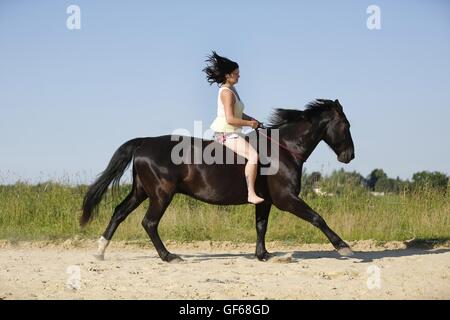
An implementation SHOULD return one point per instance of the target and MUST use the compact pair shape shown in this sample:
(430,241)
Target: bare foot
(255,199)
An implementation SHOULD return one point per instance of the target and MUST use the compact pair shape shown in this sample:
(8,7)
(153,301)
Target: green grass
(51,211)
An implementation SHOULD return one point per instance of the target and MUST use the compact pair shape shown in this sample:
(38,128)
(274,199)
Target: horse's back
(196,177)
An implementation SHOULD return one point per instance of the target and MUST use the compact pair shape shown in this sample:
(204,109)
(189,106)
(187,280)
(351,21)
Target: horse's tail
(116,167)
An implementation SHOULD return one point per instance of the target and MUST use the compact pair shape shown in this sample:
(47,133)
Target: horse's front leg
(262,218)
(298,207)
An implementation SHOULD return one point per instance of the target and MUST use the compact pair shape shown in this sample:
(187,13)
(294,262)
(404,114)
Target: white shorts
(221,137)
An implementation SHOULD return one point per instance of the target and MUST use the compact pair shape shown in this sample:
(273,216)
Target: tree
(343,177)
(402,185)
(384,184)
(341,181)
(435,180)
(314,177)
(374,176)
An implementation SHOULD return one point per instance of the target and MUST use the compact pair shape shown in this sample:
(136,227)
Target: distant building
(322,193)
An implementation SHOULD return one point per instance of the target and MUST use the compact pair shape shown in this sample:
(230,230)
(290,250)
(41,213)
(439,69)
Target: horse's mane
(284,116)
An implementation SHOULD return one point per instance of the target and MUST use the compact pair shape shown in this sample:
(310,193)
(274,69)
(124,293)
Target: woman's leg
(244,149)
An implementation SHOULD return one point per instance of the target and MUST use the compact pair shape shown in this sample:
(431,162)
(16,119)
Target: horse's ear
(338,103)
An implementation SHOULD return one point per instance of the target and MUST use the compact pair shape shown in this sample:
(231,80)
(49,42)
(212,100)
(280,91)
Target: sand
(68,270)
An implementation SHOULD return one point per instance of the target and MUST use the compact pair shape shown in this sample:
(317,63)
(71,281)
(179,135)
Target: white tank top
(220,124)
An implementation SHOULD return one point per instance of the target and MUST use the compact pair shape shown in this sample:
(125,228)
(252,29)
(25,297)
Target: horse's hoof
(173,258)
(100,257)
(264,257)
(345,252)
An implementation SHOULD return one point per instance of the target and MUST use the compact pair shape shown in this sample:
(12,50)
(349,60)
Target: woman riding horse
(158,178)
(230,117)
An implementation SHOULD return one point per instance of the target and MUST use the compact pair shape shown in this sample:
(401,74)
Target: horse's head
(337,133)
(321,120)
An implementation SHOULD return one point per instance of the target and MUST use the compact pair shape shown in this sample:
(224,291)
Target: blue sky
(69,98)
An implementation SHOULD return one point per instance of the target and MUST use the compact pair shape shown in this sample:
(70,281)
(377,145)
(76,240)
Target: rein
(292,152)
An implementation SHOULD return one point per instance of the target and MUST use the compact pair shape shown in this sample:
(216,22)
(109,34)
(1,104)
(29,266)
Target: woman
(230,117)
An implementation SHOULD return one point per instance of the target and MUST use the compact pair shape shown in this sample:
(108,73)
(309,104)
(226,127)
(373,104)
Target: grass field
(50,211)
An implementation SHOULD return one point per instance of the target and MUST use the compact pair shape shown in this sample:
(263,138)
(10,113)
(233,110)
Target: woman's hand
(253,123)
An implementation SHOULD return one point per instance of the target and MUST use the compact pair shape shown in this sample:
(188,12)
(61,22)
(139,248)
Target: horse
(157,178)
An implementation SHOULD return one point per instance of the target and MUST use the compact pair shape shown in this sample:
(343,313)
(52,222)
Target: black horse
(157,177)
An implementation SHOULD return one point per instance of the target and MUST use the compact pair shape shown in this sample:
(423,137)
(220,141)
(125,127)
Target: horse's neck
(304,136)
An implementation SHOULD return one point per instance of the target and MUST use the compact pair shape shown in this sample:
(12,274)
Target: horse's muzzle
(346,156)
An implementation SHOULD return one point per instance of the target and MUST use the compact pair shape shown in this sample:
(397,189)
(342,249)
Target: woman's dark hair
(218,67)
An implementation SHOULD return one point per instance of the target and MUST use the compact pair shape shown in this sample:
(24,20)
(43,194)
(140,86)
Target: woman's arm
(228,101)
(246,117)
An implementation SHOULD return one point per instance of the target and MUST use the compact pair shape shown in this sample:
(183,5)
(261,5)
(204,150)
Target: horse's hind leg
(158,206)
(299,208)
(131,202)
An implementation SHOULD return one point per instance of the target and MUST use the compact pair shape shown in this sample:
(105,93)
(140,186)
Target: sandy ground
(68,270)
